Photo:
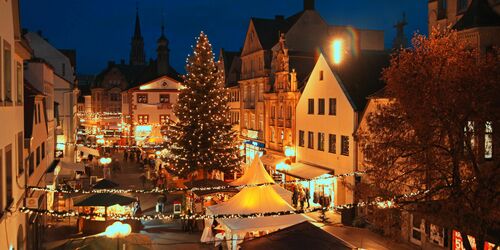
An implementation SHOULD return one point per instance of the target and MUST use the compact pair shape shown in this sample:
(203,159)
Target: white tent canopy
(89,151)
(250,200)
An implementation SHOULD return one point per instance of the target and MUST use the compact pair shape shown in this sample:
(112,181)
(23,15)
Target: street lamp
(337,50)
(118,230)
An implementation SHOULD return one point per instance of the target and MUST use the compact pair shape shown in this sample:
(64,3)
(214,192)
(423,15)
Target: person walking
(295,196)
(302,197)
(308,197)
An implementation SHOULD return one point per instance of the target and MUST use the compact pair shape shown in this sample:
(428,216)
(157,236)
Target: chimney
(308,4)
(279,17)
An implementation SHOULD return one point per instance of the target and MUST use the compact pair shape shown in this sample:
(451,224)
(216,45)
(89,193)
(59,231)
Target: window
(164,119)
(142,98)
(461,6)
(321,75)
(321,141)
(310,109)
(301,138)
(7,80)
(321,106)
(20,148)
(43,150)
(19,82)
(332,106)
(488,140)
(332,144)
(164,98)
(310,140)
(39,112)
(441,10)
(143,119)
(272,135)
(31,163)
(282,136)
(273,112)
(38,156)
(261,91)
(344,145)
(8,169)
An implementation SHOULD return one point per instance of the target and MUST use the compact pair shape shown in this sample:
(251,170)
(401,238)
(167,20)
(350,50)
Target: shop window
(20,148)
(7,64)
(143,119)
(19,83)
(461,6)
(142,98)
(321,141)
(332,143)
(301,138)
(332,106)
(488,140)
(344,145)
(441,10)
(164,98)
(10,177)
(321,106)
(164,119)
(38,156)
(310,140)
(310,108)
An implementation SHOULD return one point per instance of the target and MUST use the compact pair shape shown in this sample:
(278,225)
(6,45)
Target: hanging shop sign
(458,243)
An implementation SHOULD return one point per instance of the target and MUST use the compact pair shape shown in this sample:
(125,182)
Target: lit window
(488,140)
(164,98)
(143,119)
(344,145)
(142,98)
(164,119)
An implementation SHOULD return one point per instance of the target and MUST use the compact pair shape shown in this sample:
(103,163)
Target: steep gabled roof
(268,30)
(360,76)
(479,14)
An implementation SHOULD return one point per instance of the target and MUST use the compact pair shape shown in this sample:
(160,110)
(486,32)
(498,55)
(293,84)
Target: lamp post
(118,230)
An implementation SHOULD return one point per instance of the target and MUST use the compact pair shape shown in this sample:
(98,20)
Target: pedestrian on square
(302,197)
(308,197)
(295,196)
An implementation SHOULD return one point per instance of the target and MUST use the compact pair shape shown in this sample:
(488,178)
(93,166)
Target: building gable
(252,42)
(162,83)
(308,22)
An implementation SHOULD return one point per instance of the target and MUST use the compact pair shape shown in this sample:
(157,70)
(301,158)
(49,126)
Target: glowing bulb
(337,51)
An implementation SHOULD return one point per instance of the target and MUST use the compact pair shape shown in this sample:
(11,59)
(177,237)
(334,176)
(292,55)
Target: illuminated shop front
(251,148)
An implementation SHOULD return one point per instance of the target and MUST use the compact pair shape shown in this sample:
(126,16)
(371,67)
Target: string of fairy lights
(389,203)
(192,189)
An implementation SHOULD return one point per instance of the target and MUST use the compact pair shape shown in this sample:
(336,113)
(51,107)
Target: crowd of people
(300,196)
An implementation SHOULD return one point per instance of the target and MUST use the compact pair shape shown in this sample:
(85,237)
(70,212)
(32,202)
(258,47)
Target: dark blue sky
(100,30)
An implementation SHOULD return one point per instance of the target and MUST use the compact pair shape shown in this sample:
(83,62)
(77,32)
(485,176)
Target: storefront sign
(458,243)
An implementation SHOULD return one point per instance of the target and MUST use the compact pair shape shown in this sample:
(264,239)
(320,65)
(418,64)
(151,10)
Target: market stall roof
(105,183)
(306,171)
(90,151)
(104,200)
(272,159)
(255,174)
(210,183)
(301,236)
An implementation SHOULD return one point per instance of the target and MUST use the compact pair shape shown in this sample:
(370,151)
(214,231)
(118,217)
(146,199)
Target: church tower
(137,55)
(163,54)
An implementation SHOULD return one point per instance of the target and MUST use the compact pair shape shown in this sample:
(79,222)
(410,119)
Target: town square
(285,124)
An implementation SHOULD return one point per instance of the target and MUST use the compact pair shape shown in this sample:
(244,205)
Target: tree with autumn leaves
(202,138)
(434,147)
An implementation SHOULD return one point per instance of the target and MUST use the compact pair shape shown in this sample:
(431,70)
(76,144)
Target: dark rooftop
(479,14)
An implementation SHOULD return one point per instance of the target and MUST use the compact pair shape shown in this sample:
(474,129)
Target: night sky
(100,30)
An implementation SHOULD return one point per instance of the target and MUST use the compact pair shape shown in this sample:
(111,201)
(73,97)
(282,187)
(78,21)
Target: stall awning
(272,159)
(90,151)
(72,166)
(104,200)
(307,171)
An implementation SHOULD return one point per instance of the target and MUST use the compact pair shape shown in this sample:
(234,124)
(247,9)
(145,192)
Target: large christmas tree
(202,139)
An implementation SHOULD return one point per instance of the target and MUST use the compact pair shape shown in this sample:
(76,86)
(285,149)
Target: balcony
(280,123)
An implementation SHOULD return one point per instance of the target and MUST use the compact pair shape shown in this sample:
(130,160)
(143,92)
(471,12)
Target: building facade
(14,51)
(149,110)
(65,92)
(327,117)
(229,64)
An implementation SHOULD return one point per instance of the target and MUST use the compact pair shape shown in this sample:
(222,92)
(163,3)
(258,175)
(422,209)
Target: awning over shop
(272,159)
(90,151)
(103,200)
(306,171)
(72,166)
(105,183)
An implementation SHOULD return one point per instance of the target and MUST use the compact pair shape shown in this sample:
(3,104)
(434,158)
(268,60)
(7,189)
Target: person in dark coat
(295,196)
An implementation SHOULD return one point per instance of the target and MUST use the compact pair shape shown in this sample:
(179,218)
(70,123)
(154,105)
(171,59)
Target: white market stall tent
(250,200)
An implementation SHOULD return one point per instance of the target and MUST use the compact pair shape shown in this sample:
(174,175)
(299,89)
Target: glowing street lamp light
(337,51)
(105,160)
(118,230)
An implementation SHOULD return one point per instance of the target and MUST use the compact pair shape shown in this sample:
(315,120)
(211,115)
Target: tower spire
(137,54)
